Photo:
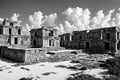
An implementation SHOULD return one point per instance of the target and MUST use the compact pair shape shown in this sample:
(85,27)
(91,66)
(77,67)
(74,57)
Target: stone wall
(43,37)
(25,40)
(34,55)
(97,38)
(23,55)
(31,55)
(4,39)
(13,54)
(5,30)
(18,40)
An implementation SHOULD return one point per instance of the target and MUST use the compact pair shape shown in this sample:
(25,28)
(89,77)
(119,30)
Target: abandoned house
(44,37)
(10,34)
(103,38)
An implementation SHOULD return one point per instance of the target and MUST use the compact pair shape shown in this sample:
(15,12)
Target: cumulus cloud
(101,20)
(50,20)
(36,19)
(107,19)
(116,19)
(60,29)
(97,20)
(26,29)
(77,18)
(15,17)
(1,20)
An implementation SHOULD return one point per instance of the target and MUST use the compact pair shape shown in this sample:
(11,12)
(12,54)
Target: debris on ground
(25,68)
(48,73)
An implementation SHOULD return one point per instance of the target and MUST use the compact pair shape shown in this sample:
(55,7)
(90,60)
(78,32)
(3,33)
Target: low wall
(23,55)
(34,55)
(13,54)
(64,56)
(30,55)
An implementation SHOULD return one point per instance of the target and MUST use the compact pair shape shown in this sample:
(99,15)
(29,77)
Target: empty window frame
(19,32)
(10,30)
(51,33)
(108,35)
(16,41)
(118,34)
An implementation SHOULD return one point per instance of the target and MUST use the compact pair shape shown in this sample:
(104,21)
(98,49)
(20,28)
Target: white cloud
(101,20)
(15,17)
(107,19)
(1,20)
(117,19)
(77,18)
(50,20)
(97,20)
(36,19)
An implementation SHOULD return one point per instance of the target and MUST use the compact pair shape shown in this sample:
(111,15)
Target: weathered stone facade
(12,54)
(30,55)
(44,37)
(10,34)
(104,38)
(22,55)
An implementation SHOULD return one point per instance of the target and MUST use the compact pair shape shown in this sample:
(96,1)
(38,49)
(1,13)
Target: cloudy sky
(59,11)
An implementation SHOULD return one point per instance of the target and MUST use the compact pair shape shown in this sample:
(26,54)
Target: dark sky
(27,7)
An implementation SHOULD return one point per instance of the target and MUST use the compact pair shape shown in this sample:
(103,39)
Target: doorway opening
(87,45)
(118,46)
(34,42)
(51,42)
(16,40)
(107,45)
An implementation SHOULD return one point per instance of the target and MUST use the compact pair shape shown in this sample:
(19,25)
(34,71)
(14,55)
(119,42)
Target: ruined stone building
(10,34)
(44,37)
(104,38)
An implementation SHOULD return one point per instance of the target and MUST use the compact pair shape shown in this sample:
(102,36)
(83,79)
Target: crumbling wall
(13,54)
(94,39)
(18,40)
(34,55)
(4,39)
(25,40)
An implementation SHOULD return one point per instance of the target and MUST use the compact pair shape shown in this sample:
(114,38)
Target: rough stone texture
(25,40)
(44,37)
(103,38)
(22,55)
(13,54)
(11,30)
(4,39)
(30,55)
(34,55)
